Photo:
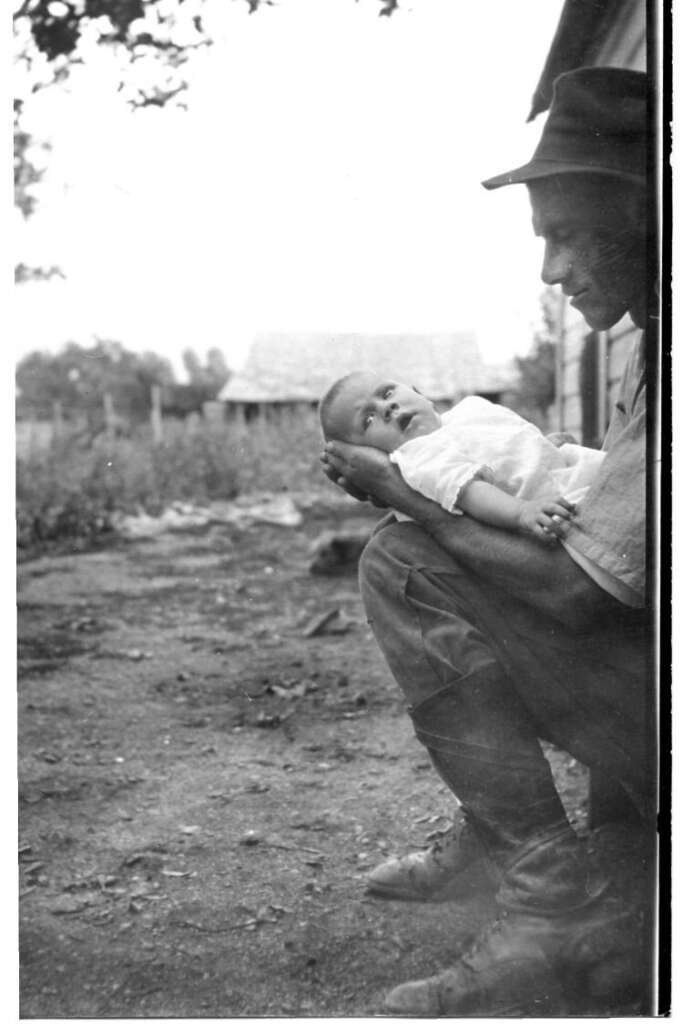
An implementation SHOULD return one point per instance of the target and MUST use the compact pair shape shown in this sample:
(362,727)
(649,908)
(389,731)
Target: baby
(479,458)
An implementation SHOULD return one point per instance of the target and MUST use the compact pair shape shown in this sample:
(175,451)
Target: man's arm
(543,576)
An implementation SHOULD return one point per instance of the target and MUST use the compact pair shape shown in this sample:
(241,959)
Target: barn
(285,372)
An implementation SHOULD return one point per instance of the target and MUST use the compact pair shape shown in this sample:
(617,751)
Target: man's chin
(602,319)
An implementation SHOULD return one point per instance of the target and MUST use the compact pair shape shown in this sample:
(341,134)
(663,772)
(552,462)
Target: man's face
(591,247)
(381,413)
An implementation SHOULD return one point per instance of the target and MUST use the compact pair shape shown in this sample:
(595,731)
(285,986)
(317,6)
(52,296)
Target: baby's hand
(547,519)
(561,437)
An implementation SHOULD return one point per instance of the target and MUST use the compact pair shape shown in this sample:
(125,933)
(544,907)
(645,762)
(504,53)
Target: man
(498,642)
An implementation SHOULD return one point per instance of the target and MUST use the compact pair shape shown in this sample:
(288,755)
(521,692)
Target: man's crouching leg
(559,934)
(422,610)
(449,868)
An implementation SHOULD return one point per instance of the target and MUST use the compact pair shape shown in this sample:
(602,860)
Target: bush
(73,487)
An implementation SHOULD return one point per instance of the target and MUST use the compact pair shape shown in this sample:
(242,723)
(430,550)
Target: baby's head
(364,408)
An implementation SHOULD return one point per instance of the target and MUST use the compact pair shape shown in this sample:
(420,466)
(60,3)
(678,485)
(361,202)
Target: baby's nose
(389,409)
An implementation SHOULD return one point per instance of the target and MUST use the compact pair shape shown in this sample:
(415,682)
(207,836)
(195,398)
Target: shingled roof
(300,368)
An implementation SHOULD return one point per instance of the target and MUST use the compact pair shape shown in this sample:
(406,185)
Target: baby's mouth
(404,419)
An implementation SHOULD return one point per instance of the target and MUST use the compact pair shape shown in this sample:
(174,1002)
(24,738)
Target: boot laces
(483,938)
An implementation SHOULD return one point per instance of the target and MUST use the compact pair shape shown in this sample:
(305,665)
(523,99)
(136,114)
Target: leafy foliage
(72,488)
(168,30)
(24,273)
(78,378)
(160,35)
(26,174)
(535,390)
(208,380)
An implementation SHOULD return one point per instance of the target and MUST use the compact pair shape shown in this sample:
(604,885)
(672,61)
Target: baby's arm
(545,518)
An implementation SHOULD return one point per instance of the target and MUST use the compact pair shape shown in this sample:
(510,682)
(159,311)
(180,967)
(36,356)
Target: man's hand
(335,476)
(365,473)
(547,519)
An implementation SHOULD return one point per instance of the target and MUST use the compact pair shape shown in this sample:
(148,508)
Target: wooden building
(610,33)
(285,372)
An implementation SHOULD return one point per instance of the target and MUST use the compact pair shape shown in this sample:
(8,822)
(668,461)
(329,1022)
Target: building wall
(625,47)
(588,386)
(626,44)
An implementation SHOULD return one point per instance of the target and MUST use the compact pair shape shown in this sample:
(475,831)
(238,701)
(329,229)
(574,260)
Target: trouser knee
(389,557)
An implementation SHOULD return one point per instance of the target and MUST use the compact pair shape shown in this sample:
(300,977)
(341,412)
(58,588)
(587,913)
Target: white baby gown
(484,441)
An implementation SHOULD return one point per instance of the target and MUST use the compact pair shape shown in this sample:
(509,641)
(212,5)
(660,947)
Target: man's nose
(556,264)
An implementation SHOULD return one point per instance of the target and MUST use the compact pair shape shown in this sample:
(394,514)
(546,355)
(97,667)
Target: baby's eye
(367,420)
(387,391)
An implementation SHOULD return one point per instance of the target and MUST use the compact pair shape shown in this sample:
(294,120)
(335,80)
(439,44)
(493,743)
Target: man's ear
(633,201)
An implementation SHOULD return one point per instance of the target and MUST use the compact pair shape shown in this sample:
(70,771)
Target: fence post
(109,415)
(155,416)
(57,418)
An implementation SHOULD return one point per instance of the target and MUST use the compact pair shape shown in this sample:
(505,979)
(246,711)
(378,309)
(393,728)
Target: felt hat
(597,124)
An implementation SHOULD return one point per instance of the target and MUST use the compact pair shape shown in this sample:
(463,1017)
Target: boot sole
(387,892)
(474,880)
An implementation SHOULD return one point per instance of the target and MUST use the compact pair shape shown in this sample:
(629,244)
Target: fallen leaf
(265,721)
(250,838)
(70,904)
(30,868)
(256,786)
(318,624)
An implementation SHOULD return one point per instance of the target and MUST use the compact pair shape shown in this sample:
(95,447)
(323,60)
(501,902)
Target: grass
(72,486)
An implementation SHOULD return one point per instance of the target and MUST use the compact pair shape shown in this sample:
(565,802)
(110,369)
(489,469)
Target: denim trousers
(443,630)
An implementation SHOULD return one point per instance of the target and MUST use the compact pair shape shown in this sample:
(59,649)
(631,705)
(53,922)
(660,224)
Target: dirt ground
(203,787)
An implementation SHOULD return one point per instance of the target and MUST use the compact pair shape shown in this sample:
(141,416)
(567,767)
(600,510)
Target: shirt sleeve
(610,527)
(438,471)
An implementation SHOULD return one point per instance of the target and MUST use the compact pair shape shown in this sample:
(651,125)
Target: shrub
(72,487)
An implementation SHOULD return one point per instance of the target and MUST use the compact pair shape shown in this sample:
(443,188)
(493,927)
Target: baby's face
(381,413)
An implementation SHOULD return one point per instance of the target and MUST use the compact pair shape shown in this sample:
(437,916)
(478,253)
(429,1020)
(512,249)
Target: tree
(42,382)
(161,33)
(210,378)
(535,390)
(78,378)
(155,37)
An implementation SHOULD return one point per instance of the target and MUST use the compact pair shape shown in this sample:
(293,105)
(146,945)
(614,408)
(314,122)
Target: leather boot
(559,946)
(453,867)
(550,910)
(456,864)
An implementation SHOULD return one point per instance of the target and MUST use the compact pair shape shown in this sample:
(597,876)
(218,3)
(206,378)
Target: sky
(325,176)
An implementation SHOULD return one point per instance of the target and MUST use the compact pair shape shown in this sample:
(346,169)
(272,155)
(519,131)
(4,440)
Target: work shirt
(607,536)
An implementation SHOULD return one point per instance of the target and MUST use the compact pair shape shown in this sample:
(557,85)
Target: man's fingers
(334,462)
(330,472)
(338,449)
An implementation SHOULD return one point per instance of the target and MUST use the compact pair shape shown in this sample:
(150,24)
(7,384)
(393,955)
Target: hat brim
(536,169)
